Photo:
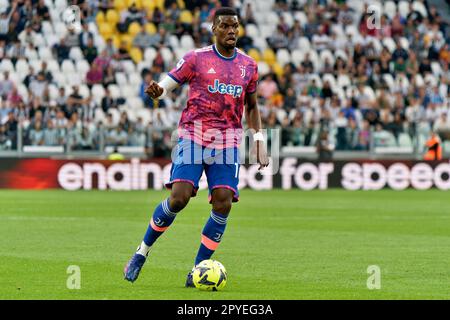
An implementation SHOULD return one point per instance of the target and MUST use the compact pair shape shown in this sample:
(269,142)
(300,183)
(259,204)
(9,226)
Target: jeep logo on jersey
(223,88)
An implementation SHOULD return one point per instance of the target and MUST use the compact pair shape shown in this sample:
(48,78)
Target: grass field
(278,245)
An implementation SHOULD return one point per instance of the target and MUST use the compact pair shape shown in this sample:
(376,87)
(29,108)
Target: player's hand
(154,90)
(261,154)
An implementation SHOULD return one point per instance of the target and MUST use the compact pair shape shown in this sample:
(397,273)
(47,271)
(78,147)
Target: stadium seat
(150,28)
(128,39)
(115,90)
(304,44)
(82,67)
(277,69)
(52,65)
(186,17)
(137,3)
(301,17)
(119,5)
(390,9)
(283,57)
(263,68)
(100,17)
(76,54)
(45,53)
(112,17)
(47,28)
(60,5)
(22,66)
(431,80)
(419,6)
(136,55)
(404,140)
(252,30)
(53,91)
(187,42)
(74,79)
(105,30)
(297,56)
(121,78)
(174,42)
(51,40)
(260,43)
(150,54)
(330,78)
(129,91)
(7,65)
(167,55)
(39,40)
(67,66)
(135,103)
(84,91)
(404,43)
(98,92)
(269,56)
(403,8)
(134,28)
(128,66)
(436,68)
(135,79)
(254,53)
(180,52)
(149,5)
(343,80)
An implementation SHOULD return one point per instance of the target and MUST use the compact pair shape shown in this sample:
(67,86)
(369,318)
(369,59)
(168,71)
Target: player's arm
(253,118)
(158,90)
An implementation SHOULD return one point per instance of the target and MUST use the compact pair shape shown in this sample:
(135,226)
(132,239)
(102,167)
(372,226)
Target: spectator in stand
(4,22)
(267,87)
(50,135)
(36,135)
(6,85)
(143,39)
(38,85)
(94,75)
(108,101)
(42,11)
(84,36)
(72,39)
(61,50)
(5,140)
(123,52)
(90,51)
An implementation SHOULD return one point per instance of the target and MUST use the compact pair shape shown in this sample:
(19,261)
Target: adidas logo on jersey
(211,70)
(222,88)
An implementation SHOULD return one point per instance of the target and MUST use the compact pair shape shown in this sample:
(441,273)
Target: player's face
(226,30)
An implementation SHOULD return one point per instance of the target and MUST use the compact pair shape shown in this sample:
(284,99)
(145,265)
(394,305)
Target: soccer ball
(209,275)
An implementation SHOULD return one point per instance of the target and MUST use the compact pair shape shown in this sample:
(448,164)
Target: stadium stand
(322,68)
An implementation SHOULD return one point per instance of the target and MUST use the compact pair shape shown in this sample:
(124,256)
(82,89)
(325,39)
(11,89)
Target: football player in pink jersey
(222,79)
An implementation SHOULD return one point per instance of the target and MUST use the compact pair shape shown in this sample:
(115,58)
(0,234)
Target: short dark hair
(225,11)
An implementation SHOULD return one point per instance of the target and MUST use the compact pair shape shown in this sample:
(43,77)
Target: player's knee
(222,206)
(178,202)
(222,201)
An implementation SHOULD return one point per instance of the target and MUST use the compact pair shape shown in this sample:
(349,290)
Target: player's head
(226,27)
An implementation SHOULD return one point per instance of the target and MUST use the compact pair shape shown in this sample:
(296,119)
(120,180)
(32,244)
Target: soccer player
(221,80)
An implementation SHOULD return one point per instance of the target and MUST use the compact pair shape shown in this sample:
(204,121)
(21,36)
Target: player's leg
(215,225)
(223,180)
(163,216)
(184,179)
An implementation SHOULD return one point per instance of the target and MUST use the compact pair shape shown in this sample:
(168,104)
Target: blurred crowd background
(333,69)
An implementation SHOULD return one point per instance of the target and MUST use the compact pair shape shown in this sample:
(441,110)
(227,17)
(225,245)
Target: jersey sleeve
(251,88)
(185,68)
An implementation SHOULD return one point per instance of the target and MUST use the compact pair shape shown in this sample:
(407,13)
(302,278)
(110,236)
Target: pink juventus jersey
(217,89)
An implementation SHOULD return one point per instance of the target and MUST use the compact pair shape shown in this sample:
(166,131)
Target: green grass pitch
(278,245)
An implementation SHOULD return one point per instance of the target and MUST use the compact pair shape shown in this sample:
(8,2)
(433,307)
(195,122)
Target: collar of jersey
(223,57)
